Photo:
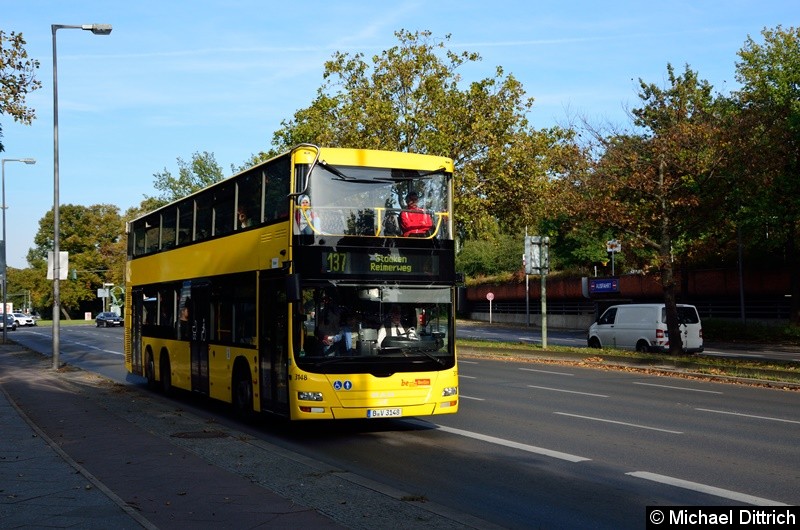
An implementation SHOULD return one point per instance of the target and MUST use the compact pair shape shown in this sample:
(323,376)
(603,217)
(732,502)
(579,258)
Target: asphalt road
(540,445)
(577,339)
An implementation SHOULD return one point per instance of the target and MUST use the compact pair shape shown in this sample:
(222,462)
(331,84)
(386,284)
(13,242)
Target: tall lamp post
(97,29)
(5,265)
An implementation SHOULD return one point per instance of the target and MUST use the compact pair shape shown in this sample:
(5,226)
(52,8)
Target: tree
(17,79)
(502,253)
(93,236)
(203,170)
(768,145)
(412,98)
(653,188)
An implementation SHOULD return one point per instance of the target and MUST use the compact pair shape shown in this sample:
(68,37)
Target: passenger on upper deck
(414,221)
(306,220)
(245,221)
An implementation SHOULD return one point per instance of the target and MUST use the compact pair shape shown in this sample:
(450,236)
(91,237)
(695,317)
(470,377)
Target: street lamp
(97,29)
(5,265)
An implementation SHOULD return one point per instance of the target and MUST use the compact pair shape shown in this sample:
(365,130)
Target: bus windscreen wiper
(342,176)
(430,356)
(347,178)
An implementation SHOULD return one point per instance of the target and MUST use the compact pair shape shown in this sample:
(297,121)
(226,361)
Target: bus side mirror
(293,288)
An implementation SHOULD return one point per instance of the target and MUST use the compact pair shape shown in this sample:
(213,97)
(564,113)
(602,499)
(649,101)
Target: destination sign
(376,263)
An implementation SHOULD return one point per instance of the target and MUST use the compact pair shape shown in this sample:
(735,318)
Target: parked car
(643,327)
(8,322)
(23,319)
(108,319)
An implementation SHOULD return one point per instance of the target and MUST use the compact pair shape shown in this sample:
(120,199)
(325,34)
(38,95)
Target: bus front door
(200,318)
(137,308)
(273,345)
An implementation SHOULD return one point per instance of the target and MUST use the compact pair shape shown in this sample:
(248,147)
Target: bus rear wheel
(242,398)
(150,372)
(166,375)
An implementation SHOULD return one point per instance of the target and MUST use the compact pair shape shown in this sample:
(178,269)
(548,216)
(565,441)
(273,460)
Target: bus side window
(203,218)
(185,222)
(248,198)
(224,214)
(276,180)
(168,223)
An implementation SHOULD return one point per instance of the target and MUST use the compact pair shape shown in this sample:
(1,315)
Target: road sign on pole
(612,247)
(537,250)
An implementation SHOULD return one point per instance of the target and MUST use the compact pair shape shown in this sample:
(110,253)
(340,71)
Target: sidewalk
(77,450)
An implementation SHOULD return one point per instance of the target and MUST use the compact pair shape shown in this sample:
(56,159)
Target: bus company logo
(415,382)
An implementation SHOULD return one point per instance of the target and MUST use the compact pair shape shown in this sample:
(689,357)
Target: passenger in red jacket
(414,221)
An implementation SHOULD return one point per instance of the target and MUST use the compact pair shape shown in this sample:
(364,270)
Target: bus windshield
(367,201)
(375,325)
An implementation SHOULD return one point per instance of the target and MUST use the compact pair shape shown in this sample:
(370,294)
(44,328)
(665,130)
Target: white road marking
(545,371)
(472,398)
(679,388)
(505,443)
(748,415)
(567,391)
(618,422)
(702,488)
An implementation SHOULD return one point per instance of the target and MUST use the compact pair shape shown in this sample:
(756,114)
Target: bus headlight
(309,396)
(450,391)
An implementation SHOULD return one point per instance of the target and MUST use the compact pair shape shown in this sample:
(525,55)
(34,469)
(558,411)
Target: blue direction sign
(603,285)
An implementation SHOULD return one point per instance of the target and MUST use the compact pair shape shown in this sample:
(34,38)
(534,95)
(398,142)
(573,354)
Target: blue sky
(174,78)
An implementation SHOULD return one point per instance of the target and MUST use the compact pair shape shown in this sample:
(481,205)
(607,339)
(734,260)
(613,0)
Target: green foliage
(17,79)
(486,258)
(93,237)
(203,170)
(765,149)
(412,98)
(721,330)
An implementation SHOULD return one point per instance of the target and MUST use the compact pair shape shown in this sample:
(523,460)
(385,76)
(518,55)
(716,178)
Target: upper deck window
(346,200)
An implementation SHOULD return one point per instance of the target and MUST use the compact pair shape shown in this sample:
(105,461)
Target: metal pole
(97,29)
(544,309)
(5,264)
(527,300)
(741,274)
(5,267)
(56,250)
(525,259)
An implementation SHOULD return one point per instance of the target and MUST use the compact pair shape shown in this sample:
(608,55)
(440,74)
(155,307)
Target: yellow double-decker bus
(319,284)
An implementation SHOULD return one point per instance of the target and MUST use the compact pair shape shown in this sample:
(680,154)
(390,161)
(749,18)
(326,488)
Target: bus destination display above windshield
(374,263)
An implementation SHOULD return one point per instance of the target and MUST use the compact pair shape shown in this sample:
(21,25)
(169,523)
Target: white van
(643,327)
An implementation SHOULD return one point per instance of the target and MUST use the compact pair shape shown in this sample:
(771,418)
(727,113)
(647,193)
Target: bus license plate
(384,413)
